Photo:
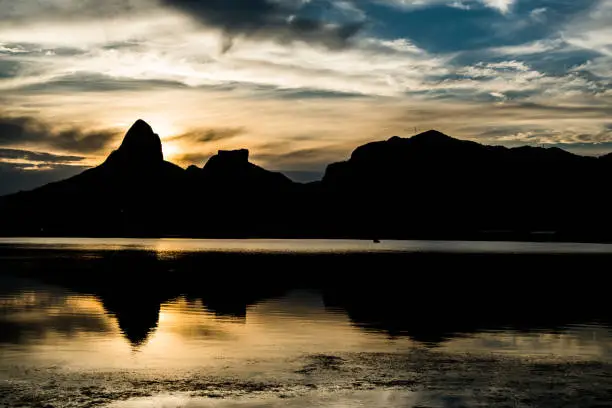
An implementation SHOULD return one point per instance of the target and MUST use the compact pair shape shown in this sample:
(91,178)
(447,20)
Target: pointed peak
(141,145)
(141,126)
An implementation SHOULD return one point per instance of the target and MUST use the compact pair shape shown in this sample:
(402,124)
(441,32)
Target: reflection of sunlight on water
(278,329)
(170,246)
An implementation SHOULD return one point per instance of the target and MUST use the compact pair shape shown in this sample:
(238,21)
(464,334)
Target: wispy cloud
(208,135)
(42,157)
(502,6)
(21,177)
(28,131)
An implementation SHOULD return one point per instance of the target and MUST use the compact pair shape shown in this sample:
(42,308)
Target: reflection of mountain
(429,297)
(234,304)
(133,285)
(137,317)
(442,296)
(429,185)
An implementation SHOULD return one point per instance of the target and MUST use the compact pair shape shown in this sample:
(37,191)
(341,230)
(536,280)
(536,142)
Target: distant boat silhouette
(376,241)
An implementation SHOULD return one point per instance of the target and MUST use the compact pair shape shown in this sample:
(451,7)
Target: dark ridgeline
(426,186)
(432,185)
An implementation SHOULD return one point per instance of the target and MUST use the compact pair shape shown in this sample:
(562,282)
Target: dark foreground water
(204,323)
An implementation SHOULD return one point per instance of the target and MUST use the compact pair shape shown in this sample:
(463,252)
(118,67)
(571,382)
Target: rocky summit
(140,146)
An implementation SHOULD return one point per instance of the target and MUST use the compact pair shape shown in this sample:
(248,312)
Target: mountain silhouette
(433,185)
(122,196)
(140,147)
(426,186)
(231,169)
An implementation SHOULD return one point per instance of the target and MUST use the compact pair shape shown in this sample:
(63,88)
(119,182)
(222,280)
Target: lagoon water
(69,341)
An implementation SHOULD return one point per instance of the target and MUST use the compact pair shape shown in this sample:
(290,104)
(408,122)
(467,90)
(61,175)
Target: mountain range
(427,186)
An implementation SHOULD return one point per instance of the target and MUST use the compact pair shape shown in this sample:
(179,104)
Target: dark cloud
(597,111)
(15,12)
(586,149)
(203,136)
(279,155)
(197,159)
(307,159)
(8,68)
(508,111)
(22,177)
(124,45)
(283,21)
(315,94)
(17,154)
(20,131)
(93,82)
(209,135)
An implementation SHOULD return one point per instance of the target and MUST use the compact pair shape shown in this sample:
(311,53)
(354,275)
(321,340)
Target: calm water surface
(84,346)
(303,246)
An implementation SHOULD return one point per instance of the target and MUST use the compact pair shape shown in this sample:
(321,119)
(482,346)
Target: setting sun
(171,150)
(165,128)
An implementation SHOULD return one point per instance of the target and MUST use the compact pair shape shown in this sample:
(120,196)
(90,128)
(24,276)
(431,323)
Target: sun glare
(163,127)
(171,150)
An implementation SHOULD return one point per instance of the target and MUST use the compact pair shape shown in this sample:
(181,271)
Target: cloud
(16,12)
(197,159)
(26,155)
(313,159)
(208,135)
(371,66)
(539,14)
(96,82)
(27,131)
(22,177)
(553,137)
(503,6)
(197,145)
(592,30)
(529,48)
(283,21)
(25,170)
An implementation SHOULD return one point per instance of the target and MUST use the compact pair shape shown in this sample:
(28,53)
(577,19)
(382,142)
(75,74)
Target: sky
(300,83)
